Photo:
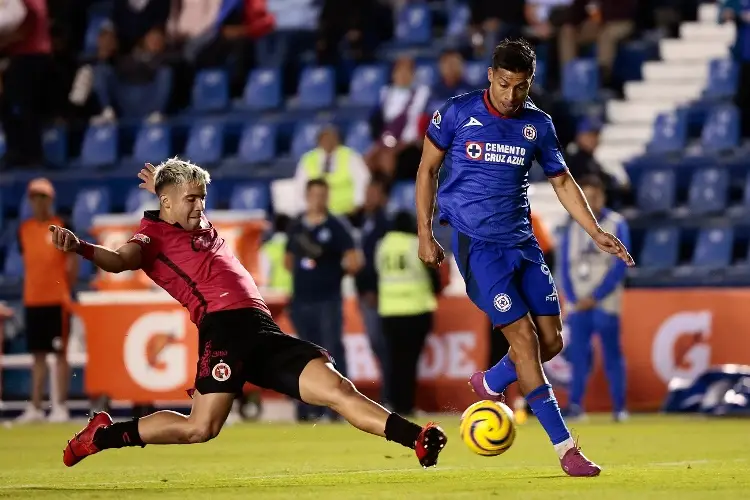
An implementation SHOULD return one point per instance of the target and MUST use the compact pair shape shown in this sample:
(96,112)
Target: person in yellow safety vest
(340,166)
(272,254)
(407,292)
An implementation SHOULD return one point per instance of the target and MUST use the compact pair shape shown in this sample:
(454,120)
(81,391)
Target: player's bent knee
(552,347)
(202,432)
(341,393)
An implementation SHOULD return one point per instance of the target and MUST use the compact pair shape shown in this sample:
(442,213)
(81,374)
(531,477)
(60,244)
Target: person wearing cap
(340,166)
(48,279)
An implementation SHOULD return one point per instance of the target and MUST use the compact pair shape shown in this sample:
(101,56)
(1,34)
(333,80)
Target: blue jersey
(482,191)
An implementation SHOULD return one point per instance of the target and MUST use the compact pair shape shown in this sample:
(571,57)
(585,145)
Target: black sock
(118,435)
(401,431)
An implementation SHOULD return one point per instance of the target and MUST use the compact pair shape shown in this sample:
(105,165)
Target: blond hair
(175,172)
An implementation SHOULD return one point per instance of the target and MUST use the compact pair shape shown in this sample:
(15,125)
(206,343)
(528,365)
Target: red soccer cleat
(477,385)
(430,443)
(575,464)
(82,445)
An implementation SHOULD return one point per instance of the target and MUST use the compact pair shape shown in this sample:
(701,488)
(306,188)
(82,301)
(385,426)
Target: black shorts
(246,345)
(46,328)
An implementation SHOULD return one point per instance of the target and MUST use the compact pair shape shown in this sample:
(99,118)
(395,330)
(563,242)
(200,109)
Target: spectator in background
(407,291)
(582,163)
(134,18)
(26,98)
(544,17)
(49,276)
(343,169)
(451,82)
(593,283)
(397,122)
(738,11)
(277,276)
(604,22)
(320,251)
(343,23)
(372,222)
(81,97)
(492,21)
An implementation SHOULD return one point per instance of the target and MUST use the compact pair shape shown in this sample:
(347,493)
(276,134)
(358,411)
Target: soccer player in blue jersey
(485,141)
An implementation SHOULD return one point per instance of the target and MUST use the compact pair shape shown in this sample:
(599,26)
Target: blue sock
(544,405)
(500,376)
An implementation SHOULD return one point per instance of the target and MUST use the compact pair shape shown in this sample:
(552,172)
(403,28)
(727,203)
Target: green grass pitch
(650,457)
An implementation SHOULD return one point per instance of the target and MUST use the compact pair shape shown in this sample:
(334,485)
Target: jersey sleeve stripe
(434,142)
(558,174)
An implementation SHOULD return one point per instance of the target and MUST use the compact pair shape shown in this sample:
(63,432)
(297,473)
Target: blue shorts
(506,283)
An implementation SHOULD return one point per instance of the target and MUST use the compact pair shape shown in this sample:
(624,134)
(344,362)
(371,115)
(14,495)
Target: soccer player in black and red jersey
(180,250)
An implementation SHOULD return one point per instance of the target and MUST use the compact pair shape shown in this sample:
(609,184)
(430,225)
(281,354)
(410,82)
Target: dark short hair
(594,181)
(404,222)
(516,56)
(318,181)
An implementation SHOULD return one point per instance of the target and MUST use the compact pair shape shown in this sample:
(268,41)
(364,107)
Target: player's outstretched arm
(430,250)
(570,195)
(125,258)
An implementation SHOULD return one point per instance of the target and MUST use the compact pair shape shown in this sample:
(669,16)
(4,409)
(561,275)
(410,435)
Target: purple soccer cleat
(477,385)
(575,464)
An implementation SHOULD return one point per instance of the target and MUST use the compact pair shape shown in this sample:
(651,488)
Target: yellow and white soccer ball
(488,428)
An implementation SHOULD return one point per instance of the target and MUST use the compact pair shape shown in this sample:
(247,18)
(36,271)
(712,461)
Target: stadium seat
(459,17)
(13,267)
(414,24)
(152,143)
(262,90)
(708,191)
(250,196)
(724,79)
(304,139)
(580,80)
(721,131)
(211,90)
(670,133)
(367,80)
(85,270)
(475,73)
(317,88)
(55,145)
(257,144)
(660,249)
(205,144)
(89,202)
(99,146)
(359,136)
(139,199)
(137,101)
(656,192)
(426,74)
(2,144)
(402,197)
(713,248)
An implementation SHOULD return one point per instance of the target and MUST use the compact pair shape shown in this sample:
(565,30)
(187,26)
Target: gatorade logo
(681,348)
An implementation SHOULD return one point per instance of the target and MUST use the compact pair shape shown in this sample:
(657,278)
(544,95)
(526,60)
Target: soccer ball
(487,428)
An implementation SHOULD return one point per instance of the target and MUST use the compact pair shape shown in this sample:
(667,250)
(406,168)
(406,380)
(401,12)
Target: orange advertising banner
(142,347)
(242,230)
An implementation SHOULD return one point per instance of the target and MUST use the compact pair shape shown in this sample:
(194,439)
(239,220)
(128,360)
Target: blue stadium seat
(713,248)
(656,192)
(205,144)
(211,90)
(99,146)
(670,133)
(402,197)
(721,131)
(459,17)
(13,267)
(367,80)
(139,198)
(426,74)
(359,136)
(55,145)
(304,139)
(258,143)
(137,101)
(317,88)
(660,249)
(708,191)
(262,90)
(2,144)
(414,24)
(475,73)
(250,196)
(153,143)
(89,202)
(85,270)
(580,80)
(724,79)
